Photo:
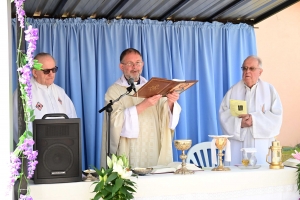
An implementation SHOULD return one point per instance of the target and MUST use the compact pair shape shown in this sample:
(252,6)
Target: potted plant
(114,182)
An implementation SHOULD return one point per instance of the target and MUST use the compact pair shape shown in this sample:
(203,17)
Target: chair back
(200,155)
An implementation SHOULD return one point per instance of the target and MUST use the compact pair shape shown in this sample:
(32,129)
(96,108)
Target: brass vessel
(220,144)
(183,145)
(276,156)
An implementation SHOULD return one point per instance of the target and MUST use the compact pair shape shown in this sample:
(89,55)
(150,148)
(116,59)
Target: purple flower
(31,36)
(31,167)
(15,164)
(25,148)
(20,11)
(25,197)
(31,156)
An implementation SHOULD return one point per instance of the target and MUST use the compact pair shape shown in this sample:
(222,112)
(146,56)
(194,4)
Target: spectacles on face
(131,64)
(47,71)
(252,69)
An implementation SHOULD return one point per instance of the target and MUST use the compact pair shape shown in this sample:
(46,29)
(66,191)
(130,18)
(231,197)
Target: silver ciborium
(183,145)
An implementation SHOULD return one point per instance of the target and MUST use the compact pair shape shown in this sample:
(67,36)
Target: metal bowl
(142,171)
(91,172)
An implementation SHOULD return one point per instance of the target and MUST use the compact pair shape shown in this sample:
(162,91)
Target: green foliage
(298,178)
(115,183)
(36,65)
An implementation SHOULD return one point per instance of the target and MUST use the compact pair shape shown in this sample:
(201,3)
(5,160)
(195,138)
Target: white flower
(118,166)
(109,162)
(126,175)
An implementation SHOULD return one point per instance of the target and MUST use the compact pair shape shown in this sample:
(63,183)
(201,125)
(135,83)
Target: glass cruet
(253,159)
(245,160)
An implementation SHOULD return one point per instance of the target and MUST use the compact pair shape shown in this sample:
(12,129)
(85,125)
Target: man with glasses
(263,120)
(142,129)
(47,97)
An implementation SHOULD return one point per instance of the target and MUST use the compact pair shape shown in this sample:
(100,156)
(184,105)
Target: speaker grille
(58,157)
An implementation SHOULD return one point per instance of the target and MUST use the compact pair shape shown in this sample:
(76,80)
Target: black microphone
(131,83)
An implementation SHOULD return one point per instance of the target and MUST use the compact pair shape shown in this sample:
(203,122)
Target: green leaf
(108,171)
(124,191)
(21,139)
(127,194)
(129,189)
(131,183)
(97,196)
(109,188)
(98,171)
(29,134)
(98,187)
(37,65)
(112,177)
(23,60)
(118,184)
(32,118)
(104,193)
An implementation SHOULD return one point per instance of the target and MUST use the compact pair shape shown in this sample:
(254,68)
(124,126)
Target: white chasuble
(153,145)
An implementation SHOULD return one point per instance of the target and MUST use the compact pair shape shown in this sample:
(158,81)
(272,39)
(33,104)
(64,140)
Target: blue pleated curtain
(87,54)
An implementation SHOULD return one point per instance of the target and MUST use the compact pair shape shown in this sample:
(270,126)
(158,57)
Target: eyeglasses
(252,69)
(47,71)
(131,64)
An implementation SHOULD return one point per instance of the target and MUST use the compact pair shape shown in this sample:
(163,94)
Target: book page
(291,162)
(238,107)
(178,80)
(189,166)
(172,167)
(160,169)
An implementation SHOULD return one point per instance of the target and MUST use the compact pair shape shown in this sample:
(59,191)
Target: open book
(163,86)
(172,167)
(291,162)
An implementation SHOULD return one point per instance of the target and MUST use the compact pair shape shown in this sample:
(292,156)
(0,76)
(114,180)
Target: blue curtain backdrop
(87,54)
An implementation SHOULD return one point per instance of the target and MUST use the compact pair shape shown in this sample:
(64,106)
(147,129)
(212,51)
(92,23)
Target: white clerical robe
(264,104)
(45,100)
(145,138)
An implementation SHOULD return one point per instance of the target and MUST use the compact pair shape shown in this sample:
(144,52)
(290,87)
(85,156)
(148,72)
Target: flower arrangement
(296,155)
(24,154)
(114,182)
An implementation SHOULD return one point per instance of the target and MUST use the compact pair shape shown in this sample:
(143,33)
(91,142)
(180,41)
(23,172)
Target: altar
(237,184)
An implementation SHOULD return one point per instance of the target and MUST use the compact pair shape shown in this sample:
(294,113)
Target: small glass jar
(245,160)
(252,160)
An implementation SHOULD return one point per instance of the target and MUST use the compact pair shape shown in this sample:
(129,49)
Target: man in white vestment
(141,128)
(262,123)
(47,97)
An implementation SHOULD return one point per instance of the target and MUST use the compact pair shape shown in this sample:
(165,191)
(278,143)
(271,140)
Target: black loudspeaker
(58,142)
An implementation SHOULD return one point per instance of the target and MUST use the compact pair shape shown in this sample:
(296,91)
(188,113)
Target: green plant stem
(20,178)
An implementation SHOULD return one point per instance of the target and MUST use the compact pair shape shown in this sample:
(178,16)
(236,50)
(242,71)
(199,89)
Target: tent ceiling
(235,11)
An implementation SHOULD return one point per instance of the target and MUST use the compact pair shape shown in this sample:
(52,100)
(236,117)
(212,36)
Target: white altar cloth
(237,184)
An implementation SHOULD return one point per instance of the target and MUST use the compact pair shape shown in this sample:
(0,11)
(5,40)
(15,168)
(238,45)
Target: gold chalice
(220,144)
(183,145)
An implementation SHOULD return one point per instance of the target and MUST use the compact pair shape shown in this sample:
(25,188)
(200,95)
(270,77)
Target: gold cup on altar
(220,144)
(183,145)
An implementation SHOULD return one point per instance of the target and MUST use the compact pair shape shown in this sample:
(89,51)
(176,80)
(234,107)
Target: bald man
(47,97)
(263,120)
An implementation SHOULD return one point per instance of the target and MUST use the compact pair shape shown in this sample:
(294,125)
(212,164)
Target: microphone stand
(108,109)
